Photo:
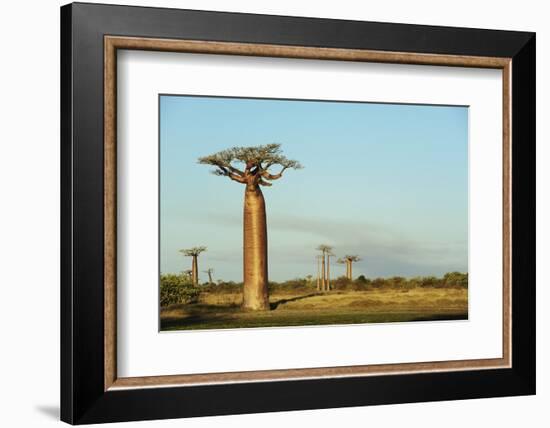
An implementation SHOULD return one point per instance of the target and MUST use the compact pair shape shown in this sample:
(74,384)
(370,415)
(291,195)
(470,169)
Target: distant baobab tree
(256,161)
(194,253)
(209,272)
(349,260)
(326,252)
(188,273)
(329,255)
(319,257)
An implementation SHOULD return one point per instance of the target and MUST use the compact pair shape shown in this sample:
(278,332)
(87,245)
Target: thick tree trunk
(323,274)
(318,274)
(350,277)
(209,277)
(255,292)
(195,271)
(328,272)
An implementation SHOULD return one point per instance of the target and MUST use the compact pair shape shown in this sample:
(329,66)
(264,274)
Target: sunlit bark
(349,260)
(328,272)
(323,274)
(209,273)
(195,271)
(194,254)
(255,292)
(318,273)
(257,161)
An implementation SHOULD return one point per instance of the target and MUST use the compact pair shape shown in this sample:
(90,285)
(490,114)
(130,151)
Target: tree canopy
(325,249)
(256,161)
(195,251)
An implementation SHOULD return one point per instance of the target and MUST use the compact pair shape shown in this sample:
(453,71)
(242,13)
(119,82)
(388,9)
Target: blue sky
(388,182)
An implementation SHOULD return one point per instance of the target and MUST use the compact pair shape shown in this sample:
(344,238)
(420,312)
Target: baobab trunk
(323,277)
(195,271)
(350,276)
(328,272)
(255,292)
(318,274)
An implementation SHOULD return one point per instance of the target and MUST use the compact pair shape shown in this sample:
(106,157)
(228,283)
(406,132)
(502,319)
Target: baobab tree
(194,253)
(319,257)
(349,260)
(251,166)
(209,272)
(329,255)
(326,252)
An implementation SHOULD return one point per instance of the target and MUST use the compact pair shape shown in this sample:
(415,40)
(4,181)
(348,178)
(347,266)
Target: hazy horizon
(388,182)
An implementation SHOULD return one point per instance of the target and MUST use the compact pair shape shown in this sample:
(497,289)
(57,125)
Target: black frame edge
(524,213)
(83,399)
(66,130)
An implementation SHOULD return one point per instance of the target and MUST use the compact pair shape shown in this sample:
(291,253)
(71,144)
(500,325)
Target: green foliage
(430,281)
(265,156)
(378,282)
(224,287)
(396,282)
(449,280)
(298,284)
(456,279)
(363,280)
(344,284)
(177,289)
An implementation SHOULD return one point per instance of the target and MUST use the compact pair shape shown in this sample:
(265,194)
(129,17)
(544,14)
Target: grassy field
(222,310)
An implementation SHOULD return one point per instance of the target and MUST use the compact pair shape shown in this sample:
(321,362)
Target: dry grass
(222,310)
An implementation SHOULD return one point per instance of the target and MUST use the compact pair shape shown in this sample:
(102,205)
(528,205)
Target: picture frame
(91,391)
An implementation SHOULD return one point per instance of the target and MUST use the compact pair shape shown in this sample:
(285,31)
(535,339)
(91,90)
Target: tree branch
(223,171)
(257,160)
(267,175)
(237,178)
(235,170)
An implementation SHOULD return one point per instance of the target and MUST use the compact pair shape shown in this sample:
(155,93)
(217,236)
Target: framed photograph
(266,213)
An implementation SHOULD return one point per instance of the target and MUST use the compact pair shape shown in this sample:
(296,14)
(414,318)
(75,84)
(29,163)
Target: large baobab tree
(194,254)
(326,252)
(349,260)
(209,272)
(251,166)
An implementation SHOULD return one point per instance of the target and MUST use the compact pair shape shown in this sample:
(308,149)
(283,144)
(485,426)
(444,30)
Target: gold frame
(112,43)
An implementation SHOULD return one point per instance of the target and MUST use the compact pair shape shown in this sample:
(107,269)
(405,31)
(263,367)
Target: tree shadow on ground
(192,319)
(274,305)
(442,317)
(197,314)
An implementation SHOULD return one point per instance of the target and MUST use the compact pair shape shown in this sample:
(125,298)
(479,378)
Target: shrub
(297,284)
(363,280)
(455,279)
(396,282)
(344,284)
(177,289)
(224,287)
(378,282)
(430,281)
